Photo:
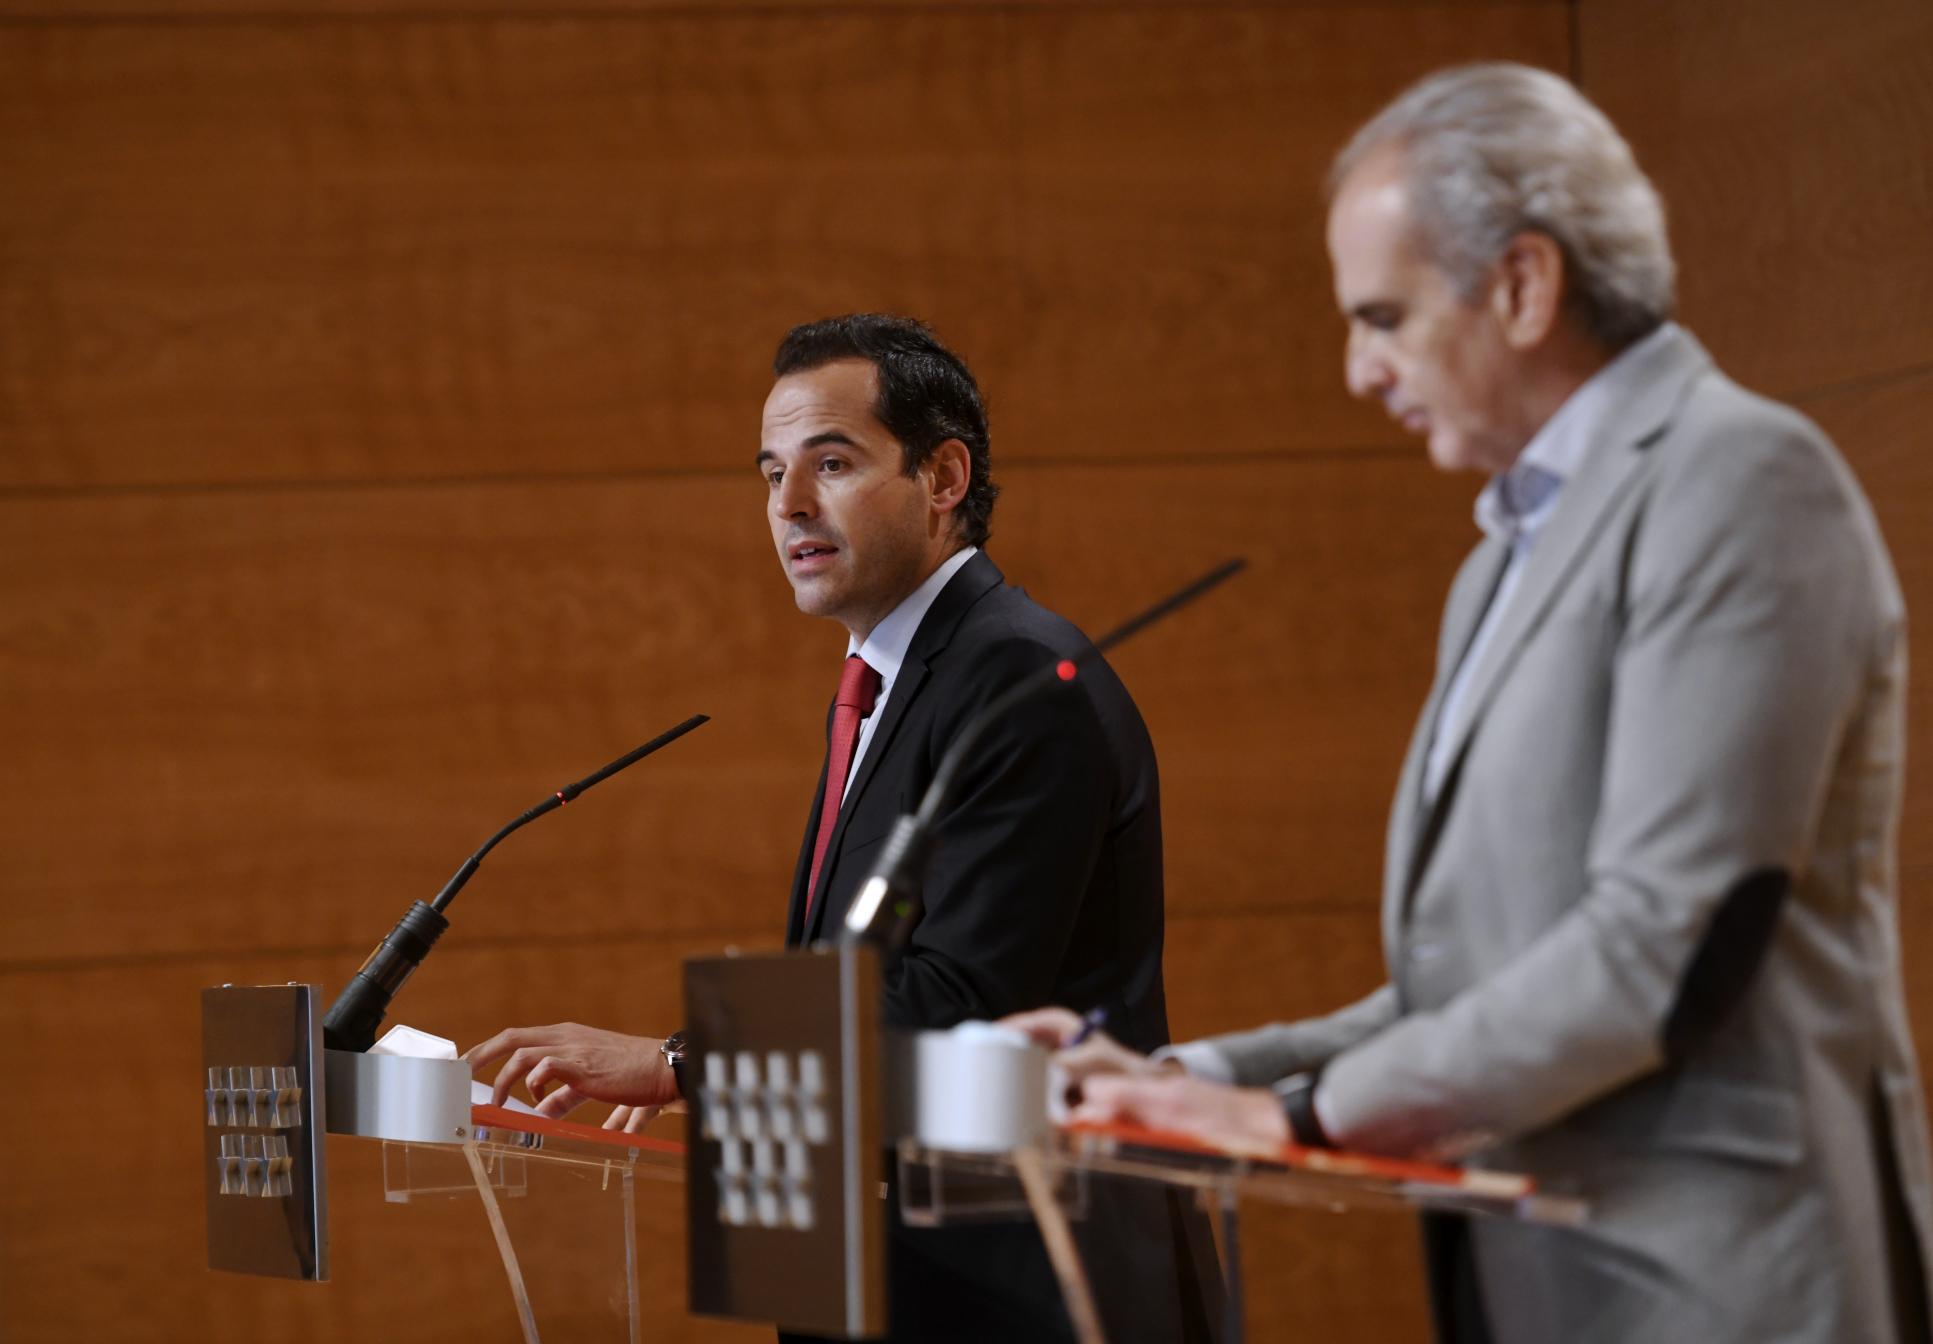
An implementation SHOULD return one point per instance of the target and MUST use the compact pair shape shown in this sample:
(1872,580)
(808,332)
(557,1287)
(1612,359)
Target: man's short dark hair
(927,395)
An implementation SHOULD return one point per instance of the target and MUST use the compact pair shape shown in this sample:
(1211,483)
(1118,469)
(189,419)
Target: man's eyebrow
(818,440)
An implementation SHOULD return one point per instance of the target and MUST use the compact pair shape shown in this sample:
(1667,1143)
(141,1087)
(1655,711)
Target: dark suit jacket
(1045,887)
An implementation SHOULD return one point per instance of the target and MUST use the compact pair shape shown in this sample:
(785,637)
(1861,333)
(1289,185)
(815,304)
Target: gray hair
(1493,150)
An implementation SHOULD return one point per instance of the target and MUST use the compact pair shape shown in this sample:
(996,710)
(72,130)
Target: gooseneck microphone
(352,1019)
(888,903)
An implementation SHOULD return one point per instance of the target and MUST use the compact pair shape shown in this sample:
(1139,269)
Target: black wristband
(1299,1104)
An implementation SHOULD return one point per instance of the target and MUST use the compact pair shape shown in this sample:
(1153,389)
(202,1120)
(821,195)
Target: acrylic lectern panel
(559,1201)
(942,1186)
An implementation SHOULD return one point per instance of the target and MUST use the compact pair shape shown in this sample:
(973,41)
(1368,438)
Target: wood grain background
(378,385)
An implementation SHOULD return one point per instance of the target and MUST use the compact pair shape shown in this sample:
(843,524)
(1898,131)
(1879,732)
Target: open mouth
(808,553)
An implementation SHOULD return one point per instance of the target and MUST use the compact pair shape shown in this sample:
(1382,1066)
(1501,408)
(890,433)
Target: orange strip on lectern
(1492,1183)
(496,1117)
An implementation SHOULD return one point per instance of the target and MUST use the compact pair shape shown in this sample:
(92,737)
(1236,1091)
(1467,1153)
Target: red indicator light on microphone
(1066,669)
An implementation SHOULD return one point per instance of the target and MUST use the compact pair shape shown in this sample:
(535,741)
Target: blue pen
(1091,1022)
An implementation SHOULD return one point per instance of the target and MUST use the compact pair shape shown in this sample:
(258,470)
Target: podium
(558,1198)
(1046,1181)
(798,1103)
(754,1023)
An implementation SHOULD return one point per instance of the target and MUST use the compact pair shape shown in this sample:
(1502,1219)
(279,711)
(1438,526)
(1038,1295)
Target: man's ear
(1527,291)
(948,472)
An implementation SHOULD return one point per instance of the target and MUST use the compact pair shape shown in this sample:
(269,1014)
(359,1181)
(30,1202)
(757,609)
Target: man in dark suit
(1047,870)
(1045,883)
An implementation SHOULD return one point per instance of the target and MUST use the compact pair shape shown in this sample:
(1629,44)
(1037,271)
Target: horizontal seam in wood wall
(761,933)
(1271,456)
(1278,457)
(645,11)
(764,933)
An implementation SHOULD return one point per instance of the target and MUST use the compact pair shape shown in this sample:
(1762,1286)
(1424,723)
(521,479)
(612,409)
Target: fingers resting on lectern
(567,1064)
(1241,1118)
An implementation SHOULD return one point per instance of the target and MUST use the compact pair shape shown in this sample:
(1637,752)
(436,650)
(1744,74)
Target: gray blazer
(1701,675)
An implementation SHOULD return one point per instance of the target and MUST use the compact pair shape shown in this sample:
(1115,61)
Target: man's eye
(831,464)
(774,476)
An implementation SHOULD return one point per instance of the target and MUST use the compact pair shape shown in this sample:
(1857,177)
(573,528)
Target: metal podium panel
(262,1163)
(397,1097)
(783,1192)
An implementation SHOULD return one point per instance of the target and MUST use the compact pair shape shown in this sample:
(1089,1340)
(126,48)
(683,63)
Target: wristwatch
(1298,1094)
(672,1048)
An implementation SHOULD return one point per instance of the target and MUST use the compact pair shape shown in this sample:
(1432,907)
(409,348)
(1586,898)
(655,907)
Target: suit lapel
(975,579)
(1581,510)
(1610,470)
(1470,597)
(795,908)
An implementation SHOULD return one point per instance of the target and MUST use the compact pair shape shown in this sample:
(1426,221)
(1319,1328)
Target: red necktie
(858,688)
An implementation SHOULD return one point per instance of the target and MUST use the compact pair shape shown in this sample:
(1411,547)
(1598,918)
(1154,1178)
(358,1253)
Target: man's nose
(794,497)
(1364,371)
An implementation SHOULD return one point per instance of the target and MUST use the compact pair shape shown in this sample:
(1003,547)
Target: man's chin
(814,599)
(1450,454)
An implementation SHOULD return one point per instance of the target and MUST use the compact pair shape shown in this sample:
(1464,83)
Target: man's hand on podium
(566,1065)
(1239,1119)
(631,1119)
(1082,1052)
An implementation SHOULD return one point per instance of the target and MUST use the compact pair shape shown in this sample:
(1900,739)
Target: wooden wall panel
(295,11)
(264,251)
(1232,972)
(1313,1273)
(1794,144)
(1176,287)
(320,701)
(261,251)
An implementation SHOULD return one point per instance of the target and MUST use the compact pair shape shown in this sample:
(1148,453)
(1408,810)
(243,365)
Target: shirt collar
(1515,504)
(885,648)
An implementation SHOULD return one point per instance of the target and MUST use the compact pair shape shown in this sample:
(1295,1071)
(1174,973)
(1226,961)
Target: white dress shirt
(885,648)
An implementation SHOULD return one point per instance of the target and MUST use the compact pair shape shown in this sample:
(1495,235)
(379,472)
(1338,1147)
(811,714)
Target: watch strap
(1298,1095)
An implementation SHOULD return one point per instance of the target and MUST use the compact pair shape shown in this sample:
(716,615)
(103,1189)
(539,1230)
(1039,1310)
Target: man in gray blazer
(1638,904)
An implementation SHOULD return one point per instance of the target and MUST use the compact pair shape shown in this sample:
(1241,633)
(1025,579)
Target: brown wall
(378,384)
